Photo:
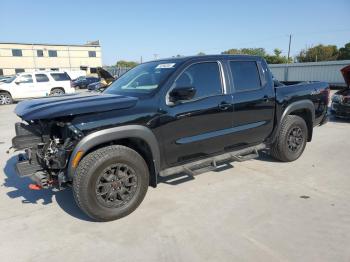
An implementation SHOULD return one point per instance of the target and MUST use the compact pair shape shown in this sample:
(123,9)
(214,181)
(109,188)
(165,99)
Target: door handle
(224,106)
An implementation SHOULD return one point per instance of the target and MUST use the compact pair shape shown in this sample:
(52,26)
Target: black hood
(69,105)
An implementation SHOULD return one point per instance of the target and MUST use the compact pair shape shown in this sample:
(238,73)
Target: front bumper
(340,110)
(29,167)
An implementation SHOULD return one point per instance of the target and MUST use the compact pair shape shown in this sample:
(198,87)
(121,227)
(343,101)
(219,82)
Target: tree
(344,52)
(246,51)
(201,53)
(318,53)
(277,58)
(127,64)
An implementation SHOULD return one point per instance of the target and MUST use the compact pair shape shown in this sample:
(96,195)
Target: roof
(203,57)
(82,45)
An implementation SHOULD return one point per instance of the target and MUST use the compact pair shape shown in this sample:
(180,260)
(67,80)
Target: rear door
(253,101)
(42,84)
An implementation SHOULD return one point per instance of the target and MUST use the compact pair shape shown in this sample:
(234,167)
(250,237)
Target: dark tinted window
(19,70)
(52,53)
(25,79)
(54,69)
(1,72)
(60,76)
(41,78)
(42,69)
(245,75)
(93,70)
(39,53)
(204,77)
(16,52)
(92,53)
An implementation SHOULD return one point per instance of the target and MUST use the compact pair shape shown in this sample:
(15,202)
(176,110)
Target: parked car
(341,99)
(161,118)
(33,85)
(106,80)
(83,82)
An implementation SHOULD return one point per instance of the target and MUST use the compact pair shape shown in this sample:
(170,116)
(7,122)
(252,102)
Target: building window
(16,52)
(83,68)
(39,53)
(52,53)
(1,72)
(93,70)
(42,69)
(19,70)
(54,69)
(92,53)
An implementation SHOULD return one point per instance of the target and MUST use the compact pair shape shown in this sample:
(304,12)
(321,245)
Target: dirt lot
(260,210)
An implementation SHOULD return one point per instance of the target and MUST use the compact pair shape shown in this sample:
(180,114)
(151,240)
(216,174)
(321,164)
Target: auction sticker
(169,65)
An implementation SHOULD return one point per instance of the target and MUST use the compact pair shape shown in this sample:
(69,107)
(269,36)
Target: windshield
(143,78)
(9,80)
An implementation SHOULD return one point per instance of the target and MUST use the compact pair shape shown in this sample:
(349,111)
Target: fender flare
(294,106)
(111,134)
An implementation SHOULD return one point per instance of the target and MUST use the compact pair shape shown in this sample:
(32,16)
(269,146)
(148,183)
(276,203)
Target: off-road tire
(89,172)
(5,98)
(280,148)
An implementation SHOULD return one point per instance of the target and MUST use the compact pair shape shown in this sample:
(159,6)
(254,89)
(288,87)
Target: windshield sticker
(169,65)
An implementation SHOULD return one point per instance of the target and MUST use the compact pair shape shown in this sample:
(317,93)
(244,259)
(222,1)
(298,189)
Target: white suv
(32,85)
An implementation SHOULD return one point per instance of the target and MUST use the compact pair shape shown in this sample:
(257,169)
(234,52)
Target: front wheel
(5,98)
(291,140)
(110,182)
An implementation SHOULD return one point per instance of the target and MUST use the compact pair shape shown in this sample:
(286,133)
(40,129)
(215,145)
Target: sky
(131,29)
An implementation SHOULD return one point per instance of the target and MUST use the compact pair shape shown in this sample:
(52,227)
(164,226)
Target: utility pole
(141,60)
(290,41)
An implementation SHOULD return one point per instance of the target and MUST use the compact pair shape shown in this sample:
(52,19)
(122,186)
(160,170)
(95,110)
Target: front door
(24,86)
(201,126)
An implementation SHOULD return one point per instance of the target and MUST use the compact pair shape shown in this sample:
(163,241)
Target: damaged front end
(47,146)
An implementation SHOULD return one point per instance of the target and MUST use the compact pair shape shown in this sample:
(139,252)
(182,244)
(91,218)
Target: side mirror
(182,93)
(17,82)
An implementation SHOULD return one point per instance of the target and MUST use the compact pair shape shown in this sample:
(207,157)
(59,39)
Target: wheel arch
(304,109)
(58,87)
(139,138)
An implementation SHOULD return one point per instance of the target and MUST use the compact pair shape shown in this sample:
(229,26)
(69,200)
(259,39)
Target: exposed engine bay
(47,147)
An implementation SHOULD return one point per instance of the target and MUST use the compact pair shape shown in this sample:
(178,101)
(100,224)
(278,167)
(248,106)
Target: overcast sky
(134,28)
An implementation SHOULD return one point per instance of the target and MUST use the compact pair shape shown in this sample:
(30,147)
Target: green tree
(128,64)
(318,53)
(201,53)
(277,58)
(344,52)
(246,51)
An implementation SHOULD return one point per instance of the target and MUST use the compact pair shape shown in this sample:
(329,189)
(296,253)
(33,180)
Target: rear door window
(245,75)
(204,77)
(60,76)
(41,78)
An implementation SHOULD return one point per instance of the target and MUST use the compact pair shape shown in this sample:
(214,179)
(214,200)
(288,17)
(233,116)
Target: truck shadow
(20,188)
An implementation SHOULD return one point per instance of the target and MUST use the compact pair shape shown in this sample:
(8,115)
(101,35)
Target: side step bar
(212,162)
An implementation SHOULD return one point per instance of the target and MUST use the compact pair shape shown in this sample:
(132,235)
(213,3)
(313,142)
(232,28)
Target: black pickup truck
(162,118)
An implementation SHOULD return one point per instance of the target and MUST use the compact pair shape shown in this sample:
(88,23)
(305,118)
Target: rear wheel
(110,182)
(5,98)
(291,140)
(57,92)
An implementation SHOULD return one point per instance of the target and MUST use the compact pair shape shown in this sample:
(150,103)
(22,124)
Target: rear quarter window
(245,75)
(60,76)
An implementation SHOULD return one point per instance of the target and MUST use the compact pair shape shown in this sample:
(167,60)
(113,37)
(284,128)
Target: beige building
(24,57)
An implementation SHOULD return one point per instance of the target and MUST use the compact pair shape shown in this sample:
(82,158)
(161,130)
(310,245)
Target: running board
(211,163)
